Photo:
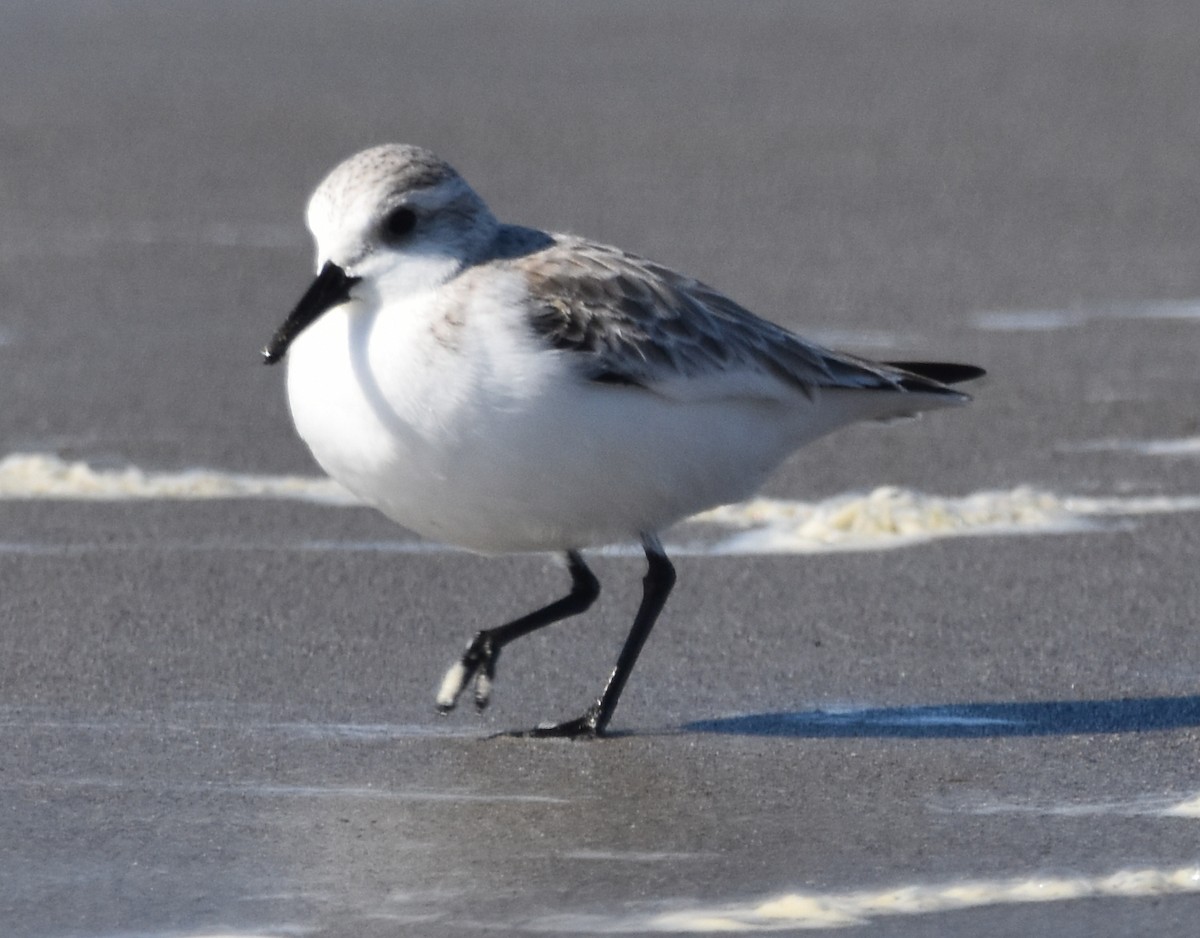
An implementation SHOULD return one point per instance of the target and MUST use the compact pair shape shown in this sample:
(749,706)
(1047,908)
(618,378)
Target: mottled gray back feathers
(638,323)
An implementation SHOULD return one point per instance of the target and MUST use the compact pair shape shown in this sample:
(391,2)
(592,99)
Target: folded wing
(635,323)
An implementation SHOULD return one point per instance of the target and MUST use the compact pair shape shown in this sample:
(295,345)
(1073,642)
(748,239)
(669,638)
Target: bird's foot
(478,663)
(587,726)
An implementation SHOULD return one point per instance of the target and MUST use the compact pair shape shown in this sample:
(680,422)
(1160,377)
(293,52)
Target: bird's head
(391,220)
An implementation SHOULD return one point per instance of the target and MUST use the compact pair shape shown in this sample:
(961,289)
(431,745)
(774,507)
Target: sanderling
(504,389)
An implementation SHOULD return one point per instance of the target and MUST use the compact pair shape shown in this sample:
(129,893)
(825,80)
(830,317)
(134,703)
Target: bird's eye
(398,223)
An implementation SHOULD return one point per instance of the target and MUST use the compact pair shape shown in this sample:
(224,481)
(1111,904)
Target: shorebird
(503,389)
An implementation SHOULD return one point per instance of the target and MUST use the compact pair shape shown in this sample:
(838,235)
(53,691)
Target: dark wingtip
(941,372)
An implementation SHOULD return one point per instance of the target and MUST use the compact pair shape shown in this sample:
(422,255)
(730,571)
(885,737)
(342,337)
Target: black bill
(331,288)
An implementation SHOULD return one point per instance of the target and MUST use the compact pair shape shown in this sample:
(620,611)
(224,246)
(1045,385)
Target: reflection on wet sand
(881,519)
(842,909)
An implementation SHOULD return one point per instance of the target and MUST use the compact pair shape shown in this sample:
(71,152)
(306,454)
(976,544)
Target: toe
(584,727)
(483,690)
(452,685)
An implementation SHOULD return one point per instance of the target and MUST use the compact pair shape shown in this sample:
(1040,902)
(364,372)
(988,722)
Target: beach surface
(943,680)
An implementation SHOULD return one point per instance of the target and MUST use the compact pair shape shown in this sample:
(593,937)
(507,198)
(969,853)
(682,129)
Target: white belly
(468,439)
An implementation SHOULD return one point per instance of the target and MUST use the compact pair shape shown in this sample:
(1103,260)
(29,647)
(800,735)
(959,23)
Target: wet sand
(216,716)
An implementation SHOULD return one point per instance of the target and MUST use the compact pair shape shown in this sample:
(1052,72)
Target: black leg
(656,587)
(479,660)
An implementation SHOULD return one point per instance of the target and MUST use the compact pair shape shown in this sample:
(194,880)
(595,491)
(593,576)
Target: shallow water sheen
(45,476)
(883,518)
(842,909)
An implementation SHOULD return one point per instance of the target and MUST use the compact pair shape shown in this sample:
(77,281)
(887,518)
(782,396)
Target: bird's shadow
(966,721)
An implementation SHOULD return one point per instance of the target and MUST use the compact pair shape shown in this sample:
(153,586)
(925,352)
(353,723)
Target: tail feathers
(941,372)
(928,387)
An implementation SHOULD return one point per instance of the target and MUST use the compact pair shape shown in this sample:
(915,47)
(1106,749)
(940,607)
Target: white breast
(446,413)
(411,406)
